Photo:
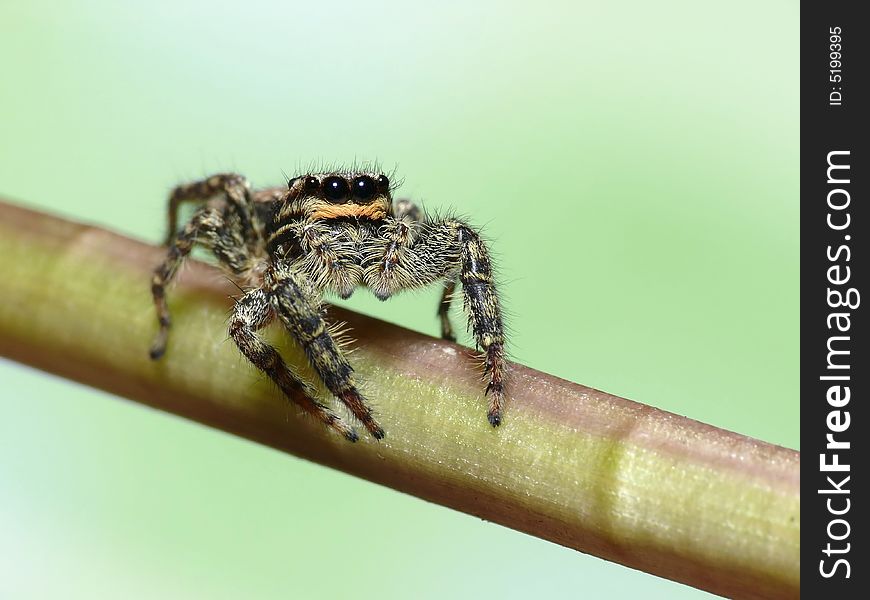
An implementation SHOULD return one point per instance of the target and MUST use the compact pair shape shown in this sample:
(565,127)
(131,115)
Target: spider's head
(342,195)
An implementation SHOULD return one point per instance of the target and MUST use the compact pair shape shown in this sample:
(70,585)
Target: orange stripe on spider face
(375,210)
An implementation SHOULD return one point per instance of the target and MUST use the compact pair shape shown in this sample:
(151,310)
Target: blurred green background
(634,165)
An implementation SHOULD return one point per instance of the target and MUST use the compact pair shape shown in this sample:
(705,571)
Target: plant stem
(585,469)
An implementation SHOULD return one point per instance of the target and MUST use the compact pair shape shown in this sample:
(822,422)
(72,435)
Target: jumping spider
(328,232)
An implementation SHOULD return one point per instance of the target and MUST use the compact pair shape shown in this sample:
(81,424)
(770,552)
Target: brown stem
(571,464)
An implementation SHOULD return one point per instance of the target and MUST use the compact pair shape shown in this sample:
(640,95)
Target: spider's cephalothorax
(329,232)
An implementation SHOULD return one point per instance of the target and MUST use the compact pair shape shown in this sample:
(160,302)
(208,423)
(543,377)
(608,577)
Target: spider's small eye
(364,188)
(383,183)
(312,185)
(335,188)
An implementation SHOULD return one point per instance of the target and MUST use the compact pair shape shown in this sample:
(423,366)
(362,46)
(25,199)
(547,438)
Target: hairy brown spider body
(329,232)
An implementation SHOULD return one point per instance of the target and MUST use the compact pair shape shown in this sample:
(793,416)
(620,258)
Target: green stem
(571,464)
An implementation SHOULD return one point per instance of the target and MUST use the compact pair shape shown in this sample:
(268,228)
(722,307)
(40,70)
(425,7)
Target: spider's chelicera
(329,232)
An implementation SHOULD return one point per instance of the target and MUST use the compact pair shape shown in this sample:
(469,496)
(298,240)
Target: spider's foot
(334,422)
(373,428)
(354,401)
(446,328)
(495,392)
(376,431)
(158,348)
(495,388)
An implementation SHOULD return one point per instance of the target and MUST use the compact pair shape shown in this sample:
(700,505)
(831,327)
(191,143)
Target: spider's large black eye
(363,188)
(383,183)
(335,189)
(311,185)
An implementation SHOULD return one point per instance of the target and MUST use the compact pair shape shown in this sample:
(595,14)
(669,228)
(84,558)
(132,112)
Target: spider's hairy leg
(235,187)
(444,311)
(437,251)
(303,319)
(484,312)
(253,312)
(405,210)
(208,228)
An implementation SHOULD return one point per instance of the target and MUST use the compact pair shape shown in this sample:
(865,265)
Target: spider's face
(335,196)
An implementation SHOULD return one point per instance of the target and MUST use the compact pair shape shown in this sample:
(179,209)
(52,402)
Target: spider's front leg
(251,314)
(302,317)
(438,251)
